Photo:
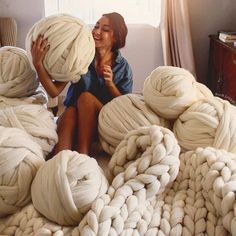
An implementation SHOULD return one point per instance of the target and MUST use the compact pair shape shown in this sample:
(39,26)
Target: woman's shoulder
(122,61)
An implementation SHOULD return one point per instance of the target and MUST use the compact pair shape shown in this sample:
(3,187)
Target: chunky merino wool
(209,122)
(72,47)
(200,201)
(123,114)
(144,163)
(36,120)
(171,90)
(38,97)
(20,158)
(17,79)
(66,186)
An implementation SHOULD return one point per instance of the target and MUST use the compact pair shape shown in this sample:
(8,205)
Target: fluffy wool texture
(38,97)
(200,201)
(209,122)
(72,47)
(144,163)
(36,120)
(17,79)
(66,186)
(123,114)
(171,90)
(20,158)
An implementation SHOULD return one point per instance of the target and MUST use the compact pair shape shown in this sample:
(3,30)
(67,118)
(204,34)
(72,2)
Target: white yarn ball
(20,158)
(39,97)
(35,120)
(209,122)
(121,115)
(17,79)
(72,46)
(66,186)
(171,90)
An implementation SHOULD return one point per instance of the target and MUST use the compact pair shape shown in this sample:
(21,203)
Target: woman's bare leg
(66,128)
(88,108)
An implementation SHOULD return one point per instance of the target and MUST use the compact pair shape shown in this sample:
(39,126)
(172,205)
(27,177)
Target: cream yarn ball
(17,79)
(171,90)
(20,158)
(66,186)
(72,46)
(209,122)
(123,114)
(36,120)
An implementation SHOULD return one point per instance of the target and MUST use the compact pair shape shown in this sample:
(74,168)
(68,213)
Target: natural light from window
(134,11)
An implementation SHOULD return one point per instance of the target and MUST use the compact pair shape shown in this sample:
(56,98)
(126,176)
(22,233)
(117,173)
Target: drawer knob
(234,61)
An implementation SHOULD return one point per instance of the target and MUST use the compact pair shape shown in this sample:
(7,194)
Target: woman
(108,76)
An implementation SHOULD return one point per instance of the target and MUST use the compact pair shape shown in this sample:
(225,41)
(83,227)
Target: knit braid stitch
(150,159)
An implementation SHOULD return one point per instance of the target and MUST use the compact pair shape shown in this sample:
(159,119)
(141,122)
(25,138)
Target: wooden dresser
(222,69)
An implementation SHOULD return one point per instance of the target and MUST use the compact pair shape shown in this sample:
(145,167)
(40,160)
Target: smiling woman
(90,10)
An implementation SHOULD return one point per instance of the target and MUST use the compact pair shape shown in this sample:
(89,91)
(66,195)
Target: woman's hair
(119,27)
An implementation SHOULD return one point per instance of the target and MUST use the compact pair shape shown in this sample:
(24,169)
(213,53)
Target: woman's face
(103,34)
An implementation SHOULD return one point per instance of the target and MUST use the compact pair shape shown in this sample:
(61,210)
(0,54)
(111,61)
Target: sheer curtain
(176,36)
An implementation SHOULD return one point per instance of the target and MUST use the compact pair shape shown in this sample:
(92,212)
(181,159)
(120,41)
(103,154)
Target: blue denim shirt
(94,83)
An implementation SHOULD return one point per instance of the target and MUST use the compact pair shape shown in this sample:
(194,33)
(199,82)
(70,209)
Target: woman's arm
(38,50)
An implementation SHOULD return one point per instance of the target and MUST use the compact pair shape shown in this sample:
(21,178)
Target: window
(134,11)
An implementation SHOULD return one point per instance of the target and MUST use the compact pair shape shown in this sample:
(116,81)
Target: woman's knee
(88,100)
(68,118)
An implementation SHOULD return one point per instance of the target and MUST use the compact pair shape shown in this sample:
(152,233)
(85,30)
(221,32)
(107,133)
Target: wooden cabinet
(222,69)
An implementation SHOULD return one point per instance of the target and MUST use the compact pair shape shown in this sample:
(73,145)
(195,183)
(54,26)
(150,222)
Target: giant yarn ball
(123,114)
(208,122)
(20,158)
(17,79)
(72,46)
(36,120)
(169,91)
(66,186)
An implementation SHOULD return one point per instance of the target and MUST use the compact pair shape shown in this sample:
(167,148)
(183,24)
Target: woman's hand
(108,75)
(39,49)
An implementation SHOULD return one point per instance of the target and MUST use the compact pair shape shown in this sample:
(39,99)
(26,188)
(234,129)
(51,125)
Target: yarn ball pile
(72,184)
(72,46)
(208,122)
(20,158)
(36,120)
(17,78)
(169,91)
(122,114)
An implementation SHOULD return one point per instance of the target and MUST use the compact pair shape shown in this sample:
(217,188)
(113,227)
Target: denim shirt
(95,84)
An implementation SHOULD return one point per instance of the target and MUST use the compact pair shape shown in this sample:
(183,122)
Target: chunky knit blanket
(152,194)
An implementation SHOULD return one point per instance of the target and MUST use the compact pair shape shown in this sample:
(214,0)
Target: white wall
(143,49)
(26,13)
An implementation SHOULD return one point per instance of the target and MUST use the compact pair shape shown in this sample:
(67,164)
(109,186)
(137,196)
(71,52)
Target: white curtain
(176,35)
